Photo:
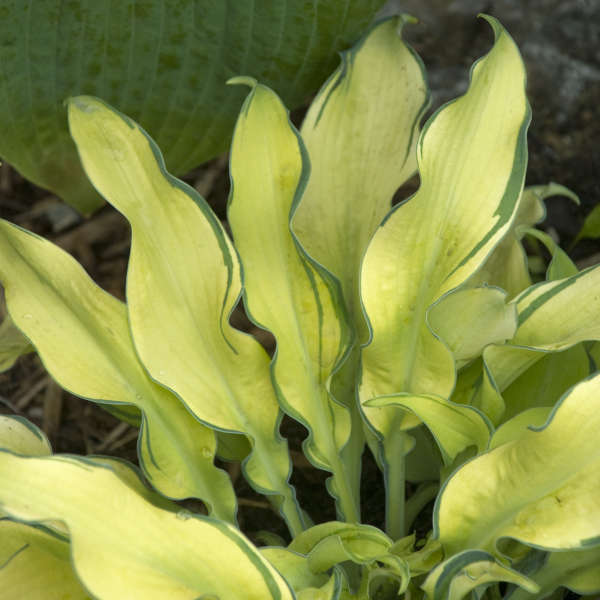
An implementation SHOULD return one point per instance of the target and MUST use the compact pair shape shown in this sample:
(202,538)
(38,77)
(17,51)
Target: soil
(560,42)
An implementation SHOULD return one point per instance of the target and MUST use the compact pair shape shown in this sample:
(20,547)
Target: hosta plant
(415,331)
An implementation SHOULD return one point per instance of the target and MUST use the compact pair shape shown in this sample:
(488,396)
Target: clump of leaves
(415,330)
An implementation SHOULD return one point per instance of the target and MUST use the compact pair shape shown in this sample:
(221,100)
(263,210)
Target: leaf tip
(243,80)
(494,24)
(87,104)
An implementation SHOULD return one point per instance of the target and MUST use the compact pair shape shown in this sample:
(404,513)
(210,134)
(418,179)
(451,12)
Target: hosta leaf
(23,437)
(183,281)
(123,546)
(469,319)
(514,428)
(419,253)
(561,265)
(285,291)
(546,381)
(82,336)
(455,427)
(591,226)
(334,543)
(36,565)
(294,567)
(549,501)
(232,446)
(364,538)
(332,590)
(424,560)
(553,317)
(12,344)
(306,584)
(506,267)
(130,475)
(577,571)
(360,133)
(165,64)
(434,241)
(393,574)
(462,573)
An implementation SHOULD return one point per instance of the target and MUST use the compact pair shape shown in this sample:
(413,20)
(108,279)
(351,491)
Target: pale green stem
(283,495)
(394,448)
(292,514)
(346,503)
(343,388)
(342,489)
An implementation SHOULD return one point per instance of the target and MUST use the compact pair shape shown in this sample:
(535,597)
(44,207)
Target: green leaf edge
(585,543)
(219,233)
(333,284)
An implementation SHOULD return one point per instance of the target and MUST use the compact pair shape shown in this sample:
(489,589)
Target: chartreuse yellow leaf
(82,336)
(183,281)
(36,565)
(455,427)
(459,575)
(360,133)
(23,437)
(131,475)
(577,571)
(506,267)
(334,589)
(306,584)
(514,428)
(284,290)
(546,381)
(364,538)
(469,319)
(333,543)
(12,344)
(550,497)
(550,301)
(553,317)
(122,546)
(472,157)
(294,567)
(561,265)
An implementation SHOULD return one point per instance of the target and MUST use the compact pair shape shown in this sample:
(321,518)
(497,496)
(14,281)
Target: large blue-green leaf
(163,63)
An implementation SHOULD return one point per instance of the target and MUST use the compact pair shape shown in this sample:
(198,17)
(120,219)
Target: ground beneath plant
(560,42)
